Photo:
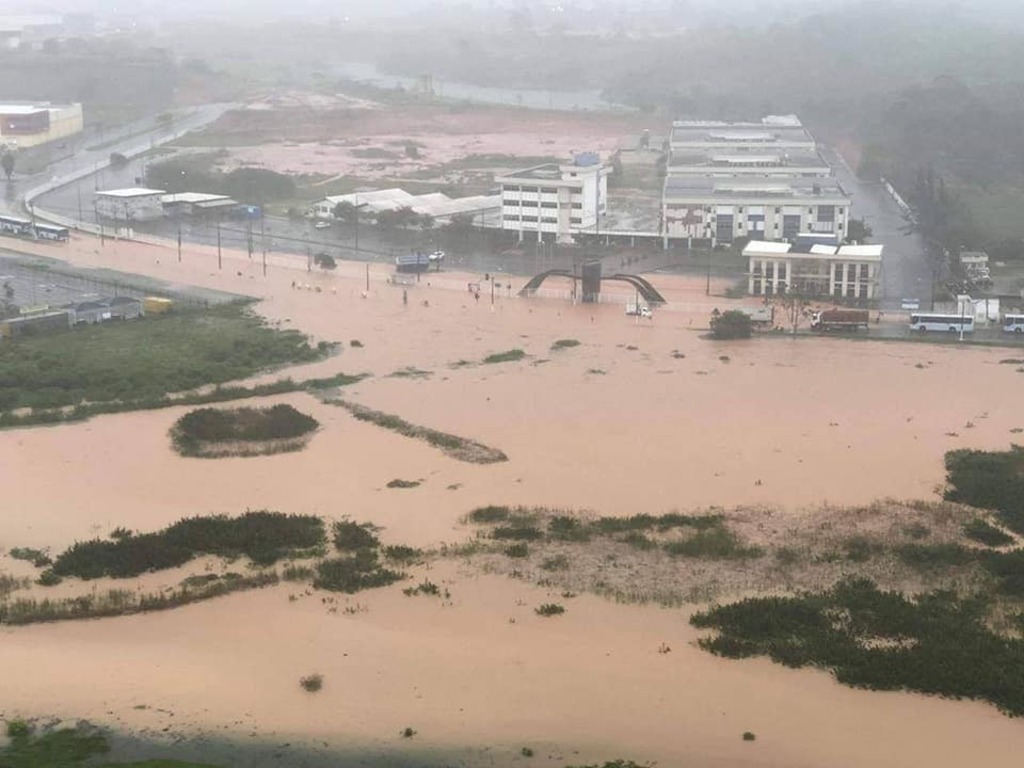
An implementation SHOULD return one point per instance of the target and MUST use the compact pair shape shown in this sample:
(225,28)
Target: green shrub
(935,643)
(518,550)
(989,480)
(550,609)
(196,431)
(490,514)
(48,578)
(425,587)
(399,483)
(402,554)
(555,563)
(262,536)
(731,324)
(567,528)
(505,357)
(350,536)
(37,557)
(713,543)
(749,736)
(312,683)
(985,533)
(517,532)
(294,572)
(564,344)
(354,573)
(860,549)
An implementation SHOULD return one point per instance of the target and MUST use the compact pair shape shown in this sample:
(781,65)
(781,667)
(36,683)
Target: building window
(778,210)
(549,190)
(575,220)
(529,203)
(510,188)
(578,206)
(532,219)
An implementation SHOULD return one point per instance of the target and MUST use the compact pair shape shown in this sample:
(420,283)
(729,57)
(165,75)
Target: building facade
(722,210)
(554,201)
(26,124)
(771,135)
(846,272)
(128,205)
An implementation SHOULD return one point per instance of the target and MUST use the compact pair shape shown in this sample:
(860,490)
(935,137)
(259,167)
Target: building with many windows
(846,271)
(128,205)
(555,201)
(722,210)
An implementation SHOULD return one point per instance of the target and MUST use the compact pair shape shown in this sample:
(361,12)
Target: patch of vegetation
(9,584)
(519,550)
(509,356)
(749,736)
(37,557)
(517,532)
(214,432)
(459,448)
(411,372)
(717,543)
(1008,570)
(935,557)
(596,372)
(122,602)
(61,748)
(555,563)
(312,683)
(985,533)
(935,643)
(351,537)
(860,549)
(293,572)
(399,483)
(408,732)
(620,763)
(359,571)
(425,587)
(356,344)
(526,752)
(989,480)
(146,359)
(401,553)
(564,344)
(731,324)
(262,536)
(489,514)
(549,609)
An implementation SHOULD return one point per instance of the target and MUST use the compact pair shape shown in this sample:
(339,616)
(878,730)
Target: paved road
(91,151)
(905,270)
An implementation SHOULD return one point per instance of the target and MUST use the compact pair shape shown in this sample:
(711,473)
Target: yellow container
(156,305)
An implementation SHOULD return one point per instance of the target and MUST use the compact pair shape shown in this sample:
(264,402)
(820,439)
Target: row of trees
(400,218)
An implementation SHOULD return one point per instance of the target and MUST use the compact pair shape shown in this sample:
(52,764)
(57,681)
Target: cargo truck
(839,320)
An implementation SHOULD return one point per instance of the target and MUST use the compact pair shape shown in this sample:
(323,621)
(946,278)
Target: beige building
(555,201)
(847,271)
(27,124)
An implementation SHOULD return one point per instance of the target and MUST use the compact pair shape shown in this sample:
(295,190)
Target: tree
(346,212)
(400,217)
(859,231)
(731,324)
(325,261)
(7,163)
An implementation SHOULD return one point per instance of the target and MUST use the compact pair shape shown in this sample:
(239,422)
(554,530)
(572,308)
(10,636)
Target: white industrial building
(128,205)
(29,124)
(772,134)
(555,200)
(788,163)
(484,208)
(847,271)
(721,210)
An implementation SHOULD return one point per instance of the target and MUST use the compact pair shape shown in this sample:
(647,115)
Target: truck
(418,261)
(641,310)
(839,320)
(759,316)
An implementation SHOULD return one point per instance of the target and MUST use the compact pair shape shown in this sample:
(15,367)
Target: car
(436,256)
(322,225)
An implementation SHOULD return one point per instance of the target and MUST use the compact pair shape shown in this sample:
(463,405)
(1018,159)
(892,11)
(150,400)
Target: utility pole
(248,239)
(78,188)
(179,240)
(367,277)
(263,234)
(220,263)
(707,287)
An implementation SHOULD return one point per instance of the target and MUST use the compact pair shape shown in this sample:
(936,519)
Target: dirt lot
(334,136)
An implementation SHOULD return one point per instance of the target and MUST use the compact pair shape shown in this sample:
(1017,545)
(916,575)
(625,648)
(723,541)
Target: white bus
(1013,323)
(932,322)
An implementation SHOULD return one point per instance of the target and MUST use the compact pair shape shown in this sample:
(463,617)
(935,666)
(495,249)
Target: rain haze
(596,384)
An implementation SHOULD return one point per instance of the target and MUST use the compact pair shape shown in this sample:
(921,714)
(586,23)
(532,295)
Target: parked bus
(48,232)
(1013,323)
(12,225)
(922,322)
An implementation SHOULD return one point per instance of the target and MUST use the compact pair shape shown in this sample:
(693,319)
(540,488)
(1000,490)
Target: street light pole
(220,263)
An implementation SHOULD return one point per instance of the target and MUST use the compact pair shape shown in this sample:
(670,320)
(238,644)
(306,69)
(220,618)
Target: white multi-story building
(554,201)
(721,210)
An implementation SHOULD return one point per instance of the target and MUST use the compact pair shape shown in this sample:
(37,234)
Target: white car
(322,225)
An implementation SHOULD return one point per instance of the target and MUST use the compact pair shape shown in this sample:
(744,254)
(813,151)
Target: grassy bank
(146,359)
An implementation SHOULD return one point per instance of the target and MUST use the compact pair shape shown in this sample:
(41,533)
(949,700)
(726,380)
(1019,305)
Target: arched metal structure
(643,286)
